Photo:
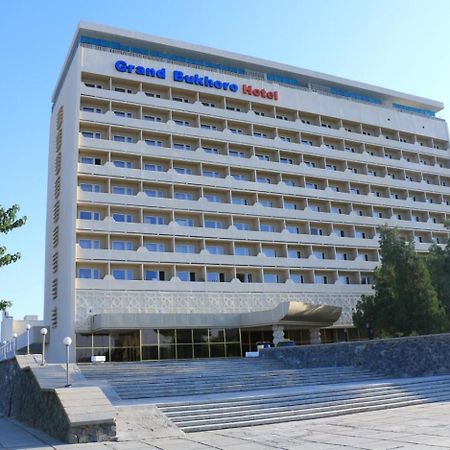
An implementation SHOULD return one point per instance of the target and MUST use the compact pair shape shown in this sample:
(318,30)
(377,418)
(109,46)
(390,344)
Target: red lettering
(263,93)
(270,95)
(247,89)
(275,95)
(256,92)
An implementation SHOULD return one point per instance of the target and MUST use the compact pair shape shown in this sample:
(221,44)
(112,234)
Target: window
(236,130)
(153,167)
(266,203)
(259,134)
(211,174)
(178,146)
(263,157)
(366,279)
(155,275)
(183,170)
(271,278)
(91,134)
(91,109)
(306,142)
(341,256)
(185,222)
(123,114)
(154,220)
(285,138)
(89,243)
(321,279)
(155,246)
(89,215)
(212,150)
(153,142)
(239,201)
(242,251)
(289,205)
(152,118)
(310,164)
(92,85)
(214,224)
(336,210)
(315,208)
(319,255)
(297,278)
(344,279)
(331,167)
(154,193)
(293,230)
(180,99)
(263,180)
(185,248)
(239,177)
(123,274)
(294,254)
(286,160)
(215,249)
(236,154)
(242,226)
(213,198)
(267,227)
(330,146)
(90,160)
(183,123)
(88,187)
(206,126)
(120,89)
(186,276)
(122,245)
(259,113)
(316,231)
(310,185)
(123,164)
(289,182)
(119,138)
(183,196)
(152,94)
(233,108)
(84,272)
(244,277)
(122,190)
(211,105)
(215,277)
(278,116)
(119,217)
(270,252)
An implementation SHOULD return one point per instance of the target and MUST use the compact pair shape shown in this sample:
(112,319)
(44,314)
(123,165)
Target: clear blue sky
(398,44)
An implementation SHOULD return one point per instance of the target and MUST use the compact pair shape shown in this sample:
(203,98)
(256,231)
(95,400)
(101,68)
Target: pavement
(414,427)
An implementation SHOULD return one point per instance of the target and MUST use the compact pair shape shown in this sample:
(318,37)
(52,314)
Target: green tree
(438,263)
(8,222)
(5,304)
(405,301)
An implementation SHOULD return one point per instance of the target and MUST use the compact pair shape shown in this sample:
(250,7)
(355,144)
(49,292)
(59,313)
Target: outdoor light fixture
(44,331)
(67,342)
(28,338)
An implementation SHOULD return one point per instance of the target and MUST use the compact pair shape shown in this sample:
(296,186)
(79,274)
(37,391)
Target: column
(314,334)
(278,334)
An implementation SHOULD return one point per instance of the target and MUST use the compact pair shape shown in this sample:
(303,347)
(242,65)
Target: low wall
(23,398)
(402,357)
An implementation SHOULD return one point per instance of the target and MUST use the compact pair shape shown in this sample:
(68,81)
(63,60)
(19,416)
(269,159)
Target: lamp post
(44,331)
(28,338)
(67,342)
(15,343)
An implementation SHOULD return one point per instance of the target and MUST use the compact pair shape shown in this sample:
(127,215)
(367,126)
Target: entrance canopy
(302,315)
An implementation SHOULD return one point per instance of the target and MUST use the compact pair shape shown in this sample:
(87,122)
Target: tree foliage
(438,263)
(5,304)
(8,222)
(405,301)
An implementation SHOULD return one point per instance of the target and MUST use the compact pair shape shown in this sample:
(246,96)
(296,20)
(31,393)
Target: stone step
(322,410)
(283,397)
(254,411)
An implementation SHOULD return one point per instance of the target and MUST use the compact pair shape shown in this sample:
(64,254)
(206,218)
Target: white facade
(171,197)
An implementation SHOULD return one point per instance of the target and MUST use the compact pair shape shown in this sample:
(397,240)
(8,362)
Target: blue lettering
(161,73)
(140,70)
(130,68)
(198,80)
(121,66)
(148,72)
(177,75)
(189,79)
(218,84)
(234,87)
(225,86)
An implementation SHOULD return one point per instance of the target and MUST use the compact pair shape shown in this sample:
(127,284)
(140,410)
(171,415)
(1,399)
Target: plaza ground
(413,427)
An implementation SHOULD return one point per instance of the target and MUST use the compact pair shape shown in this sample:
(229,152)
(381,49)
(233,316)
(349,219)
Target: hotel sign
(195,79)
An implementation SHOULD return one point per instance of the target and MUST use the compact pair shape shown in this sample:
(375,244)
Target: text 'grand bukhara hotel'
(200,201)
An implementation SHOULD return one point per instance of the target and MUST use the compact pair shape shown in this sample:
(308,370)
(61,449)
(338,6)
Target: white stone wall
(89,303)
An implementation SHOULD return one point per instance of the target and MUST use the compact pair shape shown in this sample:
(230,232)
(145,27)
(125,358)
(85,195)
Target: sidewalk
(414,427)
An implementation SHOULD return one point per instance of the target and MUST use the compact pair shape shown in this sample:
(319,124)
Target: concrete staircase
(215,394)
(269,407)
(154,380)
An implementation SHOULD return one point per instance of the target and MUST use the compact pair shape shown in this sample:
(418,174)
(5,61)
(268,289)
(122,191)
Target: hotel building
(200,200)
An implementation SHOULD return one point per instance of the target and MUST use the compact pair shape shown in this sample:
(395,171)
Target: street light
(15,343)
(67,342)
(28,338)
(44,331)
